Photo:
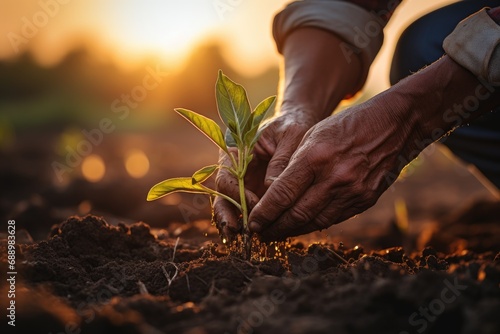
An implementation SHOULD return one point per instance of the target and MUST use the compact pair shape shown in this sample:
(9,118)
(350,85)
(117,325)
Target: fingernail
(254,226)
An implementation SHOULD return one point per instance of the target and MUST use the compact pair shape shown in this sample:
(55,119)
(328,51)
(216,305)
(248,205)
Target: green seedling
(243,130)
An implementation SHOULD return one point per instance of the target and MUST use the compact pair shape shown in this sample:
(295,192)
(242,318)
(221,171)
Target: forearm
(438,99)
(327,52)
(461,86)
(317,75)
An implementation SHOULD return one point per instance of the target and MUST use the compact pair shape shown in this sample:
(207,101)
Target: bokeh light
(93,168)
(136,163)
(84,208)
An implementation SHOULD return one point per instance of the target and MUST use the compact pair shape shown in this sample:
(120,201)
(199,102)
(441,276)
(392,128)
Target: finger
(279,232)
(307,214)
(226,217)
(279,161)
(265,148)
(228,185)
(339,209)
(281,195)
(251,198)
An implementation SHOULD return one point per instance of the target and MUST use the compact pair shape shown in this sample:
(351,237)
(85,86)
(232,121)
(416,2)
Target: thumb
(279,161)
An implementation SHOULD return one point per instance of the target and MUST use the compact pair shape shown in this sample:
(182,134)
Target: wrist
(301,112)
(438,99)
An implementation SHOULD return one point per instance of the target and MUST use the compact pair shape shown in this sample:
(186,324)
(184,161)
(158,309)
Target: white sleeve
(475,44)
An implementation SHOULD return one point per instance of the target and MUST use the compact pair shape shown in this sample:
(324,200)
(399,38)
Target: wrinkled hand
(340,169)
(277,143)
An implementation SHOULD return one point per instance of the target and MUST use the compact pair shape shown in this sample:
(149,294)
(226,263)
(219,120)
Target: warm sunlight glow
(168,28)
(93,168)
(137,163)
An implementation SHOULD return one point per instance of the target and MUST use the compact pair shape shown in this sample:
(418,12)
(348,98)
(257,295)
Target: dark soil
(91,277)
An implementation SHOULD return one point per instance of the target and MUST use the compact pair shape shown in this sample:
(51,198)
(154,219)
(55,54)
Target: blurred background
(87,91)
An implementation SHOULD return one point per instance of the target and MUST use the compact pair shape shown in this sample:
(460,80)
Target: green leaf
(204,173)
(231,126)
(181,184)
(205,125)
(250,136)
(232,103)
(258,115)
(184,184)
(261,110)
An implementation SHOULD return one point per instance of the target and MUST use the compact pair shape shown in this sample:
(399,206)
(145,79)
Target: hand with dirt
(348,160)
(317,76)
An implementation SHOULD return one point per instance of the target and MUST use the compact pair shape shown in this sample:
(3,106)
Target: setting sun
(165,27)
(131,30)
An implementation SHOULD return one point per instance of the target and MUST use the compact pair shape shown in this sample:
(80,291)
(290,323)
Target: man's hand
(338,171)
(348,160)
(272,153)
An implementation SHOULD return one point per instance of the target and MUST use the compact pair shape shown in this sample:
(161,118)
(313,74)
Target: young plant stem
(242,167)
(244,212)
(238,142)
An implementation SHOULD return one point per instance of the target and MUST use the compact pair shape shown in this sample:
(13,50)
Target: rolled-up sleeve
(360,29)
(475,44)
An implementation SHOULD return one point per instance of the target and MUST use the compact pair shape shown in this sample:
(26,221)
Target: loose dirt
(91,277)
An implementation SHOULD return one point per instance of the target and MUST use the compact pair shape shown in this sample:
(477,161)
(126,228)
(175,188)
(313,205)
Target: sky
(130,30)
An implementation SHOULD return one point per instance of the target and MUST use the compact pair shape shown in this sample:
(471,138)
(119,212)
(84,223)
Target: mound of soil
(91,277)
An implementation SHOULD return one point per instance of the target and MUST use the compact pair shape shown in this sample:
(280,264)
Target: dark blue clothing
(420,45)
